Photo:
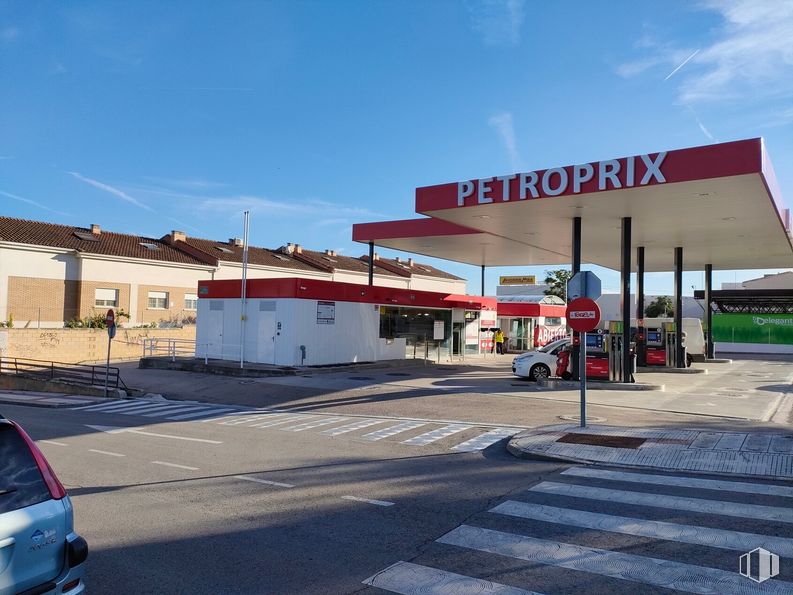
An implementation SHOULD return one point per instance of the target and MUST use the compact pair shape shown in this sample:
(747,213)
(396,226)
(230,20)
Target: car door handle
(7,541)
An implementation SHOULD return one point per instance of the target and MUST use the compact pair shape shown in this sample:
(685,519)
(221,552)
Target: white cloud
(498,21)
(110,189)
(503,125)
(683,63)
(286,207)
(32,202)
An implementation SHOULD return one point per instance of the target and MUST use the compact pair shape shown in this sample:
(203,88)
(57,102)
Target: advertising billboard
(753,328)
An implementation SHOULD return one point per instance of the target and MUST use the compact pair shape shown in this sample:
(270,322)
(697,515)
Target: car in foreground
(39,551)
(540,363)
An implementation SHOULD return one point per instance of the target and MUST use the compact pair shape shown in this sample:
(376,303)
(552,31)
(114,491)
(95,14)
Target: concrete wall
(81,345)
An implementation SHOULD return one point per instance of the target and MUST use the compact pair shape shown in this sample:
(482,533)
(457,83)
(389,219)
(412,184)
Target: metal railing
(84,374)
(173,348)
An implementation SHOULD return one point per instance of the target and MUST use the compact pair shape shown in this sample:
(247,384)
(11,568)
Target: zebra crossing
(472,438)
(606,531)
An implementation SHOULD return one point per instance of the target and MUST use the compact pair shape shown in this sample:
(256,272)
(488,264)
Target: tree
(557,282)
(660,307)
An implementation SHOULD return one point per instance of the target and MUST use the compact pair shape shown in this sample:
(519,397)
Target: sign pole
(582,375)
(107,365)
(110,322)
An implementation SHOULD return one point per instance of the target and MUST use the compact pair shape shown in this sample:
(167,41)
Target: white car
(540,363)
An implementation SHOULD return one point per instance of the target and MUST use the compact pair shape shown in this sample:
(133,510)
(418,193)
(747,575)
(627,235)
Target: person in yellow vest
(499,337)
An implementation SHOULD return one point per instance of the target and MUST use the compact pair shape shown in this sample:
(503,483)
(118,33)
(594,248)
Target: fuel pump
(597,359)
(655,348)
(670,343)
(615,350)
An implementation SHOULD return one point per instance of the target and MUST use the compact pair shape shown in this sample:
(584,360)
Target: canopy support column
(371,263)
(680,355)
(625,300)
(576,244)
(708,311)
(483,280)
(641,339)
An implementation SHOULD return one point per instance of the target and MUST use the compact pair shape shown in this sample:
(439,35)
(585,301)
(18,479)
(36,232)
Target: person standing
(499,341)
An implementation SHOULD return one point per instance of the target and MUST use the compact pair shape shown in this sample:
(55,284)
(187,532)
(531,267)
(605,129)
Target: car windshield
(550,347)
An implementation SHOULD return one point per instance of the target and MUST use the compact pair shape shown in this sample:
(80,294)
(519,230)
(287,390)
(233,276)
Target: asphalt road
(268,503)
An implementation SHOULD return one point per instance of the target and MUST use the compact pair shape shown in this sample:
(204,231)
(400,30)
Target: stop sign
(110,318)
(583,315)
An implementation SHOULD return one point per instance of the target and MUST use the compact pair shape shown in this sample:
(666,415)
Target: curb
(668,370)
(596,385)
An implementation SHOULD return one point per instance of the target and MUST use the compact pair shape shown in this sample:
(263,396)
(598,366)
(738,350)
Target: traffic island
(766,455)
(671,370)
(559,384)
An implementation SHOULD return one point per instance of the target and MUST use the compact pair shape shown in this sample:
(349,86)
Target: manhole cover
(361,378)
(589,418)
(600,440)
(397,374)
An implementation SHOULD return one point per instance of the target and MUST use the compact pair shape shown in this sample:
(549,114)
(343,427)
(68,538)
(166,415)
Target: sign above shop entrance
(518,280)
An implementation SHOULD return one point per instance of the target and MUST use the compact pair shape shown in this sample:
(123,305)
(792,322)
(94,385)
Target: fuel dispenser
(655,346)
(670,344)
(615,351)
(597,358)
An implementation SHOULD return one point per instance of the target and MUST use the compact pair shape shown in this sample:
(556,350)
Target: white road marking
(482,441)
(116,430)
(412,579)
(393,430)
(358,425)
(734,509)
(434,435)
(280,420)
(194,415)
(376,502)
(108,453)
(106,407)
(142,409)
(683,482)
(233,421)
(166,464)
(226,415)
(314,424)
(720,538)
(171,409)
(53,442)
(638,569)
(265,481)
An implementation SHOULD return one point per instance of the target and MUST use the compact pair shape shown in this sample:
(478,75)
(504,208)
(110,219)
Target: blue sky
(149,116)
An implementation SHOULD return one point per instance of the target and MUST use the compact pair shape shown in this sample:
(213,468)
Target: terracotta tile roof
(39,233)
(261,256)
(418,268)
(346,263)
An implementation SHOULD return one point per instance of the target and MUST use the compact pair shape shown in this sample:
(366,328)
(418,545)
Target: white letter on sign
(464,189)
(653,168)
(528,182)
(582,173)
(608,170)
(505,186)
(484,189)
(546,181)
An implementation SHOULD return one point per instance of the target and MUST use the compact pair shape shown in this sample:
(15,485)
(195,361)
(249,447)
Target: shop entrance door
(265,339)
(458,331)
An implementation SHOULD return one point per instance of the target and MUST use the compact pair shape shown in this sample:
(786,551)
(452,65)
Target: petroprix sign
(611,174)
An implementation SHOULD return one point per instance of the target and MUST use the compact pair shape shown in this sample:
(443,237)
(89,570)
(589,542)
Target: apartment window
(158,300)
(105,298)
(190,301)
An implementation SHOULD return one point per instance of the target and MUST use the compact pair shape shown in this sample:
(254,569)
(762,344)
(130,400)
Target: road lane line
(195,414)
(411,579)
(314,424)
(392,430)
(376,502)
(482,441)
(630,567)
(265,481)
(733,509)
(707,536)
(117,430)
(53,442)
(166,464)
(434,435)
(683,482)
(106,452)
(358,425)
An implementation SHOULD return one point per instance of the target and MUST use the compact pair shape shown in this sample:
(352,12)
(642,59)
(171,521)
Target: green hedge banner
(753,328)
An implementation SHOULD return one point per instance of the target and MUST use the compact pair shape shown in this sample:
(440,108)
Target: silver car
(39,551)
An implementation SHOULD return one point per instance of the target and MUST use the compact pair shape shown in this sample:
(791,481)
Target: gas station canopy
(720,203)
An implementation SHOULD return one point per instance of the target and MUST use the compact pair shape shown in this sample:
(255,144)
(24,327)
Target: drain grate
(397,374)
(600,440)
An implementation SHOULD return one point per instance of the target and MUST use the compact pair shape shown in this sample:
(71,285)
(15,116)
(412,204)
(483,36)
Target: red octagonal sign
(583,315)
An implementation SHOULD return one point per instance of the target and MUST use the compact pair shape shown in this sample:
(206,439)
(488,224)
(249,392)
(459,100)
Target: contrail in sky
(683,63)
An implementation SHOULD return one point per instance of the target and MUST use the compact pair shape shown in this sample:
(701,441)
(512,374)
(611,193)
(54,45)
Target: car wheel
(567,376)
(539,371)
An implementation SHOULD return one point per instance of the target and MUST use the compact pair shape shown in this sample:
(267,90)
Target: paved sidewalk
(760,454)
(41,399)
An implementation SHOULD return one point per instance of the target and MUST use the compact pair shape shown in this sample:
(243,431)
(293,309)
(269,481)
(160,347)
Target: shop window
(158,300)
(190,301)
(105,298)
